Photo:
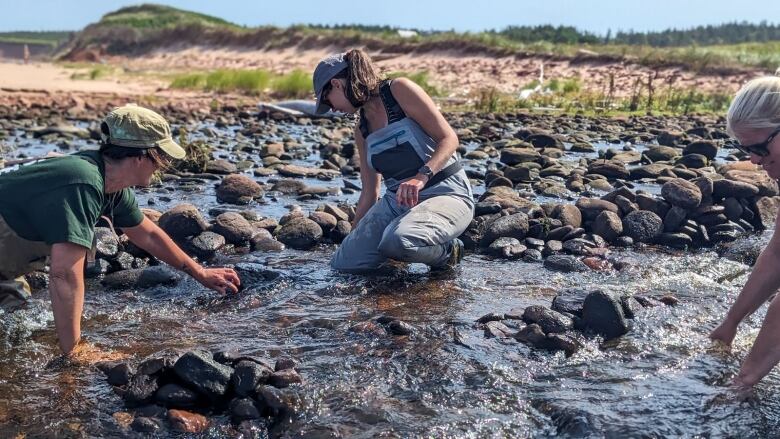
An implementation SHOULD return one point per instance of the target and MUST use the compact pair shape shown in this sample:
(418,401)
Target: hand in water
(222,280)
(724,333)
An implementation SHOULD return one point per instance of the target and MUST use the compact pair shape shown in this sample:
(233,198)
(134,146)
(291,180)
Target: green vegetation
(93,73)
(419,78)
(150,16)
(296,84)
(567,95)
(198,154)
(52,39)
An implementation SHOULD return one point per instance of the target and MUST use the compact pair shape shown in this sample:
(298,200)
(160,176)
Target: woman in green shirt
(50,208)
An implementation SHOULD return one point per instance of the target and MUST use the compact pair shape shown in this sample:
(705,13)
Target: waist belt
(442,175)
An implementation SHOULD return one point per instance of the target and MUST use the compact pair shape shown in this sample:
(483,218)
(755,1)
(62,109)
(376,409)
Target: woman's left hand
(408,192)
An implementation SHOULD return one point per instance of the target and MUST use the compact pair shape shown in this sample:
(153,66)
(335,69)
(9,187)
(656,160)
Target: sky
(596,16)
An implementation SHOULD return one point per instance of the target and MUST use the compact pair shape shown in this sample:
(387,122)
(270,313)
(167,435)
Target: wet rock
(120,375)
(305,171)
(707,149)
(140,390)
(509,248)
(174,395)
(288,186)
(507,198)
(669,300)
(512,226)
(182,221)
(199,371)
(515,156)
(562,342)
(205,245)
(602,313)
(674,240)
(220,167)
(570,301)
(661,153)
(692,161)
(284,378)
(326,221)
(732,188)
(264,241)
(532,255)
(675,219)
(568,214)
(141,278)
(608,225)
(285,363)
(299,233)
(653,171)
(238,189)
(592,207)
(486,208)
(745,251)
(242,409)
(145,425)
(187,422)
(550,321)
(609,169)
(497,330)
(399,327)
(247,376)
(252,273)
(681,193)
(340,232)
(642,225)
(767,186)
(234,227)
(766,209)
(532,335)
(277,401)
(564,263)
(490,317)
(156,365)
(107,242)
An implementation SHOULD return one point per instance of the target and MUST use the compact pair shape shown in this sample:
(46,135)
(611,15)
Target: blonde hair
(362,78)
(756,106)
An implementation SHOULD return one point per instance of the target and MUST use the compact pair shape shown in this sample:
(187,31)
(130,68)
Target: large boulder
(182,221)
(238,189)
(725,188)
(299,233)
(609,169)
(767,186)
(707,149)
(199,371)
(514,156)
(661,153)
(568,214)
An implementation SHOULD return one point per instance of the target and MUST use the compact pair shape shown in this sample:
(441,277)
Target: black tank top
(392,108)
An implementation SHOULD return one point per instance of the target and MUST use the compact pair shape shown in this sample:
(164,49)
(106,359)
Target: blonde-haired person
(754,120)
(404,139)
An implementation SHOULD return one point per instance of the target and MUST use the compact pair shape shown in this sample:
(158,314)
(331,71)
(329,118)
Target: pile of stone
(574,314)
(181,393)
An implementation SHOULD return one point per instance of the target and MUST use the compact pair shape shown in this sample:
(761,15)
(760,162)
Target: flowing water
(663,378)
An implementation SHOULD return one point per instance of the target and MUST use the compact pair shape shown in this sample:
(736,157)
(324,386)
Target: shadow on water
(664,378)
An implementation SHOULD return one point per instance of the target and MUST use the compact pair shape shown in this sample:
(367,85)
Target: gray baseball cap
(326,70)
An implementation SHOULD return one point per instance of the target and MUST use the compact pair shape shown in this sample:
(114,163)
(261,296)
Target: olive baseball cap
(326,70)
(132,126)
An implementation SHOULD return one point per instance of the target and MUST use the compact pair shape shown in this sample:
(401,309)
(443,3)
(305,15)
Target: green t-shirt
(61,199)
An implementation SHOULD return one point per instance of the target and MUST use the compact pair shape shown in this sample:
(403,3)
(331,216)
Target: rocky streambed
(651,220)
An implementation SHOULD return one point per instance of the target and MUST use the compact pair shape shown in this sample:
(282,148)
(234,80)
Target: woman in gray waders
(402,137)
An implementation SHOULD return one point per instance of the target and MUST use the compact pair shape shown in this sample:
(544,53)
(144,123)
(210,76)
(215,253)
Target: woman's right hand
(724,333)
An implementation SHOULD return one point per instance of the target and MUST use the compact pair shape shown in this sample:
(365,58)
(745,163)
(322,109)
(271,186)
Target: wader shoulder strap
(444,174)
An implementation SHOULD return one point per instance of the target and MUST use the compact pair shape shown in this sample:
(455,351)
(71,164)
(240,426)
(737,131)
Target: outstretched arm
(762,283)
(150,237)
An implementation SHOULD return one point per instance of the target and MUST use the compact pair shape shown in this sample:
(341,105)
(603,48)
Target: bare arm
(421,108)
(765,353)
(154,240)
(764,280)
(370,180)
(67,292)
